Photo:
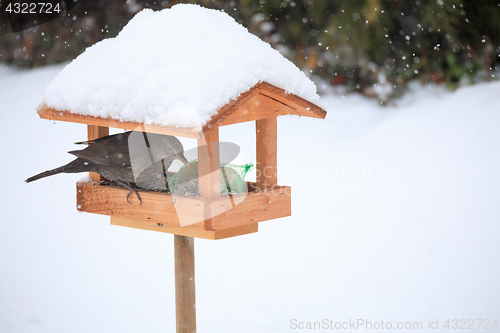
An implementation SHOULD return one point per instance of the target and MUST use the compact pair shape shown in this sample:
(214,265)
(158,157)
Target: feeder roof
(183,67)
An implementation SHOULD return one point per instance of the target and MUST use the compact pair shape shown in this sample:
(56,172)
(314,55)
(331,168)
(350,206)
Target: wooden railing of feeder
(265,199)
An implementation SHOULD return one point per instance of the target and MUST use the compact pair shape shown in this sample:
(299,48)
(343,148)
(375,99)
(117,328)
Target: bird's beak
(181,157)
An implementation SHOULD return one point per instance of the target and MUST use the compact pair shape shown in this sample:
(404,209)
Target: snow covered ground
(396,218)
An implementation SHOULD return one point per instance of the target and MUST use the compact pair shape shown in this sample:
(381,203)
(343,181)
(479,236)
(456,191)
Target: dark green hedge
(355,43)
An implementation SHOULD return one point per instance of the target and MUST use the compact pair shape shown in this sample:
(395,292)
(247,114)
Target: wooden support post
(185,300)
(209,169)
(267,138)
(209,164)
(96,132)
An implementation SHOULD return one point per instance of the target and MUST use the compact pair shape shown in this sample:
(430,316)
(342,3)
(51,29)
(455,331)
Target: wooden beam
(264,101)
(159,213)
(298,103)
(96,132)
(258,206)
(267,139)
(185,300)
(191,231)
(157,208)
(231,107)
(260,107)
(47,113)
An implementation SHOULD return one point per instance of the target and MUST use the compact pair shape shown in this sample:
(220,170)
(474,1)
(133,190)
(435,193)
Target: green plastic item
(232,180)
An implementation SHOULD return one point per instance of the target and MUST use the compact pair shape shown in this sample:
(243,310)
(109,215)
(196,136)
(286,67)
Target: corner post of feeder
(209,168)
(267,143)
(96,132)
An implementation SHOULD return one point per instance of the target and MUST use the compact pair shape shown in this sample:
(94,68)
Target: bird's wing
(104,155)
(110,150)
(120,136)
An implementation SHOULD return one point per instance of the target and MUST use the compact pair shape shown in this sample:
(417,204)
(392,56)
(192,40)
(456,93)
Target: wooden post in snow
(185,305)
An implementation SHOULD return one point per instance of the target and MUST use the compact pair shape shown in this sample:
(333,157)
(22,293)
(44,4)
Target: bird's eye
(170,149)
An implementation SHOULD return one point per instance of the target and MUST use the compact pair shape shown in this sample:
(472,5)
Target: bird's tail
(77,165)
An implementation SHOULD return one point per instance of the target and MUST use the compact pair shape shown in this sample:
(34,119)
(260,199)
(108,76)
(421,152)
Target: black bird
(132,159)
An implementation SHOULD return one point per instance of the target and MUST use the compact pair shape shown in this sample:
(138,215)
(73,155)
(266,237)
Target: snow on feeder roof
(184,68)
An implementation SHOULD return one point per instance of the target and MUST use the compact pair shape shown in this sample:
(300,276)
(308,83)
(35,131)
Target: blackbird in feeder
(131,159)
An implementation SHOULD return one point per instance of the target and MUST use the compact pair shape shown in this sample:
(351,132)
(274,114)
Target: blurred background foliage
(371,46)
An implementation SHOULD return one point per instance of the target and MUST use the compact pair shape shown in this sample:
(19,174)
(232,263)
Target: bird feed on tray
(232,179)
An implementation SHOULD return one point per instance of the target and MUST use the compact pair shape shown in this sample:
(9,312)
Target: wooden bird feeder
(209,214)
(265,199)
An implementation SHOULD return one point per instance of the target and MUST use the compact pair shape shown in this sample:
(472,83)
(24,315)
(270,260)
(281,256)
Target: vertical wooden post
(209,169)
(209,164)
(267,140)
(185,300)
(96,132)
